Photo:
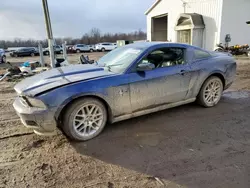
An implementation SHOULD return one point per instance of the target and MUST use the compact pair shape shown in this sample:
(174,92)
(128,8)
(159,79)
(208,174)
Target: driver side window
(166,57)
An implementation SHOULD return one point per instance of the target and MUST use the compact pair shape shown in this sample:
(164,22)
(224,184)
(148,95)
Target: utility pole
(49,32)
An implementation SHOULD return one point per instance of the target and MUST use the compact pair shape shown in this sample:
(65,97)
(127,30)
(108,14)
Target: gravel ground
(188,146)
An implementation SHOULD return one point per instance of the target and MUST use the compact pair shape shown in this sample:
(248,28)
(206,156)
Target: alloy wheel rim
(212,92)
(88,120)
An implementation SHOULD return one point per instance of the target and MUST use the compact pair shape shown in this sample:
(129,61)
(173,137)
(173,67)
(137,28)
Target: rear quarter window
(199,54)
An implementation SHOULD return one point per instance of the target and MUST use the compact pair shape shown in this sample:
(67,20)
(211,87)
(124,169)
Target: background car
(69,48)
(105,46)
(130,81)
(25,52)
(2,56)
(57,49)
(82,48)
(91,47)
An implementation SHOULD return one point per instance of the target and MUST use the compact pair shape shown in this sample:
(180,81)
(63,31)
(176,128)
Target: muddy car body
(130,81)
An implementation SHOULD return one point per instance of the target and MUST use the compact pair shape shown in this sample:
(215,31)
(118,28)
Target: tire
(91,50)
(46,53)
(219,50)
(32,54)
(210,93)
(78,51)
(61,52)
(103,50)
(76,131)
(15,55)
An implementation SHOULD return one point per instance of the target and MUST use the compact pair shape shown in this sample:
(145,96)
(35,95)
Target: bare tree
(92,37)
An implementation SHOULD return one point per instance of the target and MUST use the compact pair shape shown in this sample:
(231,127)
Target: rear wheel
(103,50)
(84,119)
(91,50)
(32,54)
(211,92)
(78,51)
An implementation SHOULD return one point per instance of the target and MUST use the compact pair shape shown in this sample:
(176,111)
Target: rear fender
(202,78)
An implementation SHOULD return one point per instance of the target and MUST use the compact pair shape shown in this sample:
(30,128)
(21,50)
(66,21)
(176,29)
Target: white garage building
(202,23)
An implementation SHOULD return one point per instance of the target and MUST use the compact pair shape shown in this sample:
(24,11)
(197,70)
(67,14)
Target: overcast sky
(71,18)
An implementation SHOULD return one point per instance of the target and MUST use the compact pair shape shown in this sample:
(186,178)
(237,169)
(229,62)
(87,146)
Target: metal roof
(191,19)
(152,7)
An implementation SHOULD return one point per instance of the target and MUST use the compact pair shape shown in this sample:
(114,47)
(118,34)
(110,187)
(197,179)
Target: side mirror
(145,67)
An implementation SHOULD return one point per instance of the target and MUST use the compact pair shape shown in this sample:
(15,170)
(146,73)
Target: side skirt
(152,110)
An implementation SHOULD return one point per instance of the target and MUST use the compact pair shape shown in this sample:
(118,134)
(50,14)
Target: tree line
(93,37)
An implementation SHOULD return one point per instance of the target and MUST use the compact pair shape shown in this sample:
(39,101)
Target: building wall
(235,14)
(173,8)
(210,9)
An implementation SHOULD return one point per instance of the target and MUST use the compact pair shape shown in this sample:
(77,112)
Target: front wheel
(84,119)
(211,92)
(103,50)
(32,54)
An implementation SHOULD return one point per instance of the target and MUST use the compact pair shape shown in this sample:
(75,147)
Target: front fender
(67,101)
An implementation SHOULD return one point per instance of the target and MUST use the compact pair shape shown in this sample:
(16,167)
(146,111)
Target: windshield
(119,59)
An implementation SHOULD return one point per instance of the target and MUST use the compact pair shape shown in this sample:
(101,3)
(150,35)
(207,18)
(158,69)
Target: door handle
(182,72)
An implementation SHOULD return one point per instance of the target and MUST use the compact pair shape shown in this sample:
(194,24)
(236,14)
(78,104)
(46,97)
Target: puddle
(237,94)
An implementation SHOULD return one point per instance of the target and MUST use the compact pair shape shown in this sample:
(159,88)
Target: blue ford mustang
(130,81)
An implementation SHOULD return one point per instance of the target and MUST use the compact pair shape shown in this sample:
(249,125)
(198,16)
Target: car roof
(161,44)
(150,44)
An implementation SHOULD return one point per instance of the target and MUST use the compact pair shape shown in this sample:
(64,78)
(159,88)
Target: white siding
(197,37)
(173,8)
(235,13)
(210,9)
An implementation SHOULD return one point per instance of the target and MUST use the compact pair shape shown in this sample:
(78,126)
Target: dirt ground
(188,146)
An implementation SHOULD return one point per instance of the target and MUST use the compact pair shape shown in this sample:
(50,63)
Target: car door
(26,52)
(85,48)
(30,51)
(20,52)
(168,83)
(107,46)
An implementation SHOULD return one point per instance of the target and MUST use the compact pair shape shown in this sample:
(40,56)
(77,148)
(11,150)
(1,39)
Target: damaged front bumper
(42,121)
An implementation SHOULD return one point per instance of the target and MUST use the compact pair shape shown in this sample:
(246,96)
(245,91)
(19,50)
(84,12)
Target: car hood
(58,77)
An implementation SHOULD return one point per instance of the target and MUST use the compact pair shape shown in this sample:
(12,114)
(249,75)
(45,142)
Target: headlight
(33,102)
